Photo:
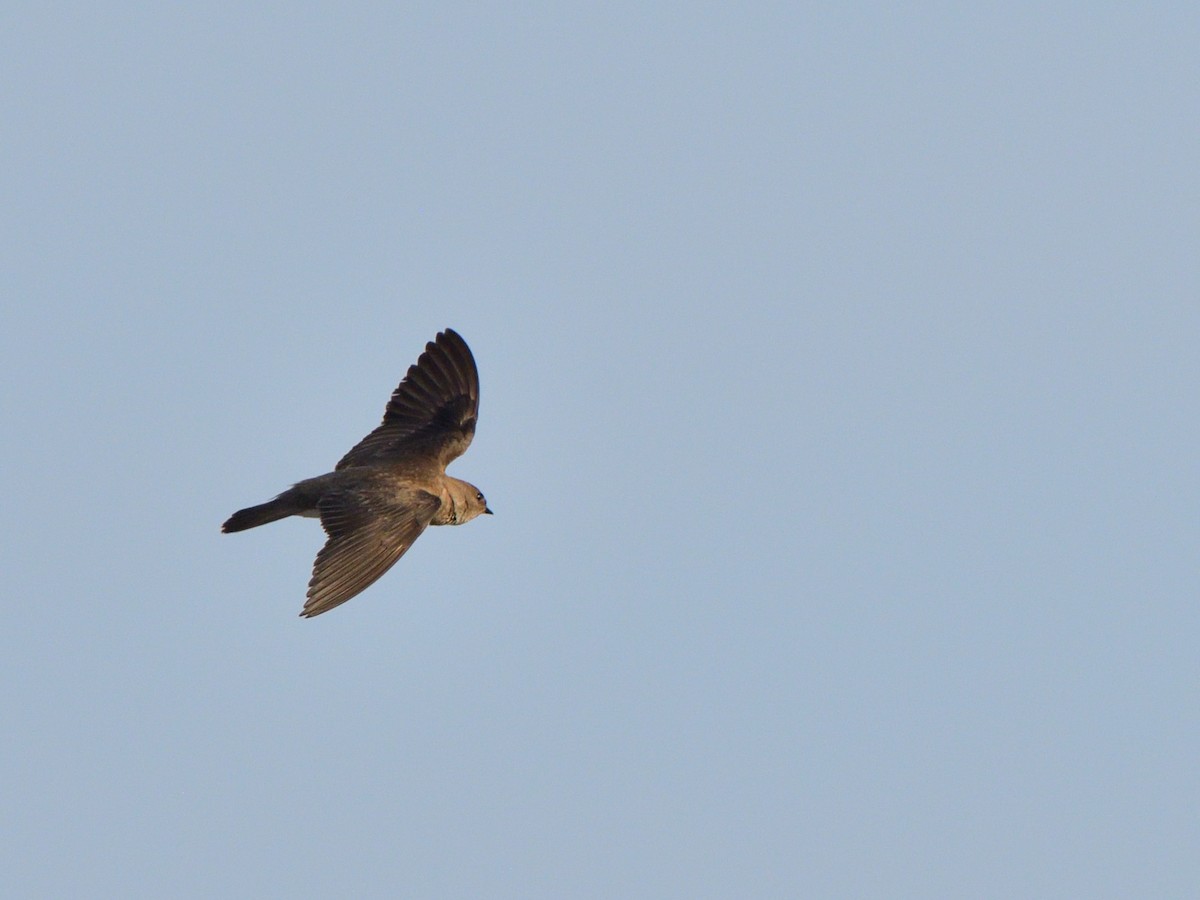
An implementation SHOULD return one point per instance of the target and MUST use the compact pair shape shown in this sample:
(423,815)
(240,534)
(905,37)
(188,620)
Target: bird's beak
(487,511)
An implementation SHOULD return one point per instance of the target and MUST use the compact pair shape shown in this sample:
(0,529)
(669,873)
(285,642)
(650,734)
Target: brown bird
(392,483)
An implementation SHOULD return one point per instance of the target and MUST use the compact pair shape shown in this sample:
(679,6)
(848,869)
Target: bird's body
(393,483)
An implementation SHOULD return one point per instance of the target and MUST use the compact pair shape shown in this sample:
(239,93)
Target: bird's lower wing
(365,540)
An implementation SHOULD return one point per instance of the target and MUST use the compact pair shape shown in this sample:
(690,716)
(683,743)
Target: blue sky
(838,412)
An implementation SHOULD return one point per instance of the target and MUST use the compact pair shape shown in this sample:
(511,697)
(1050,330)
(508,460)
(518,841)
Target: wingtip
(446,342)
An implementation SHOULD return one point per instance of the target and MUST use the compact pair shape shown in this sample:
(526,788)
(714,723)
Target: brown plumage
(393,483)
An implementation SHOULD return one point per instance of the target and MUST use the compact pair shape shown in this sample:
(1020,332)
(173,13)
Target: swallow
(392,484)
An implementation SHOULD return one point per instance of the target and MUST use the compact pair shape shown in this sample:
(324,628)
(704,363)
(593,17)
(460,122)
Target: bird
(392,484)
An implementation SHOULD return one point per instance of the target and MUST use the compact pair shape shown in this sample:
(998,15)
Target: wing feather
(366,538)
(432,413)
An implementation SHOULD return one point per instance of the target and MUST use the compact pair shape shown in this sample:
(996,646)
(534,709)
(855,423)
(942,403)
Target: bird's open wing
(366,536)
(432,413)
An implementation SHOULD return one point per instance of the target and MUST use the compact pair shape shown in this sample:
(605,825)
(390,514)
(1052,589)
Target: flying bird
(393,483)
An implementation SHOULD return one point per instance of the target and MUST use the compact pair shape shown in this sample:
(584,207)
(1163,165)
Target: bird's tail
(280,508)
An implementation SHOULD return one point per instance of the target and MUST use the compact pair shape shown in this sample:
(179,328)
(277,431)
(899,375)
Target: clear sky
(839,369)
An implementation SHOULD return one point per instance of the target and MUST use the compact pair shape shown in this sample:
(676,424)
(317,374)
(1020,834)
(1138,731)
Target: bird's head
(468,500)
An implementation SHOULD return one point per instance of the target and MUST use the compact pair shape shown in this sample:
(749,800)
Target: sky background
(839,369)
